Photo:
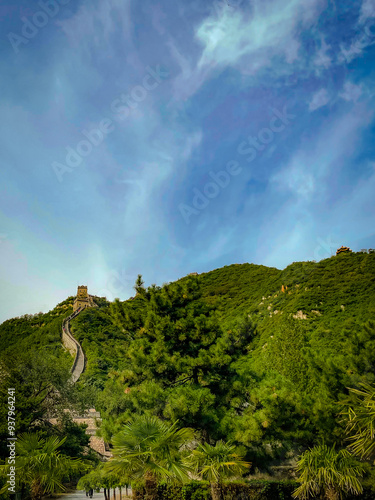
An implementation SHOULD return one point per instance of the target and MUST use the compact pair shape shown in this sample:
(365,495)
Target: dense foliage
(235,357)
(325,470)
(254,490)
(40,466)
(34,363)
(250,354)
(33,332)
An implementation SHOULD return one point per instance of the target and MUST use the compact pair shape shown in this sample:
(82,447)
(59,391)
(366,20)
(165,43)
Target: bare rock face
(300,315)
(318,313)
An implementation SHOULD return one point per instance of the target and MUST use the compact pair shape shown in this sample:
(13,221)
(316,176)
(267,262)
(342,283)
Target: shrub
(252,490)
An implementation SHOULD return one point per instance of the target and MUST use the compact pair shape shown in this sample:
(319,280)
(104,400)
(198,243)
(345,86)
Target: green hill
(246,352)
(34,331)
(346,280)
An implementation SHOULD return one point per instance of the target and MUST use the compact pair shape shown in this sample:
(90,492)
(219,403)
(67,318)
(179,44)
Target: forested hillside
(33,362)
(245,353)
(33,331)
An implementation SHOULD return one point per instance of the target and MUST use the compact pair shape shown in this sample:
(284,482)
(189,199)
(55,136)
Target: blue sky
(169,137)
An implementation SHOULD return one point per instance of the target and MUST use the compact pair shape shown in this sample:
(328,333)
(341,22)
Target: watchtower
(342,249)
(82,299)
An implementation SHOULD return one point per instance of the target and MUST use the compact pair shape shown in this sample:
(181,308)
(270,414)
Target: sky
(168,137)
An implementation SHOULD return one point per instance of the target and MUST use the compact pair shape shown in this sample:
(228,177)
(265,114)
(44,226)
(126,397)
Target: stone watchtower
(82,300)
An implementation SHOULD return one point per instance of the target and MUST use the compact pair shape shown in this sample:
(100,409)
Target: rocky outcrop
(300,315)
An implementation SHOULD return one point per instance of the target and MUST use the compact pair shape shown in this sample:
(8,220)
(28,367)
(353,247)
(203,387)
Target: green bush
(249,490)
(259,490)
(195,490)
(253,490)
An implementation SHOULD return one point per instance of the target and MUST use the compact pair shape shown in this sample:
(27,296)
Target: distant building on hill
(342,249)
(82,300)
(193,274)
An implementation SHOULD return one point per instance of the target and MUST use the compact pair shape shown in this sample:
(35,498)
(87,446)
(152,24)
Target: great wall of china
(74,347)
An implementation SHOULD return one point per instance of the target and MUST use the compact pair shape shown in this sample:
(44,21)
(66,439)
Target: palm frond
(323,467)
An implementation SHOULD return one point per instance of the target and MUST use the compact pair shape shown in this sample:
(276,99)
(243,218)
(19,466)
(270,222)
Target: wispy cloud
(367,11)
(259,35)
(248,41)
(94,27)
(364,36)
(351,92)
(319,99)
(322,57)
(312,165)
(306,185)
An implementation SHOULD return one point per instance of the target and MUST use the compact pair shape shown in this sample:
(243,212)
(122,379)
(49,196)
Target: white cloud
(310,166)
(268,32)
(94,24)
(351,92)
(249,43)
(367,11)
(322,59)
(89,31)
(296,178)
(307,178)
(364,36)
(319,99)
(355,49)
